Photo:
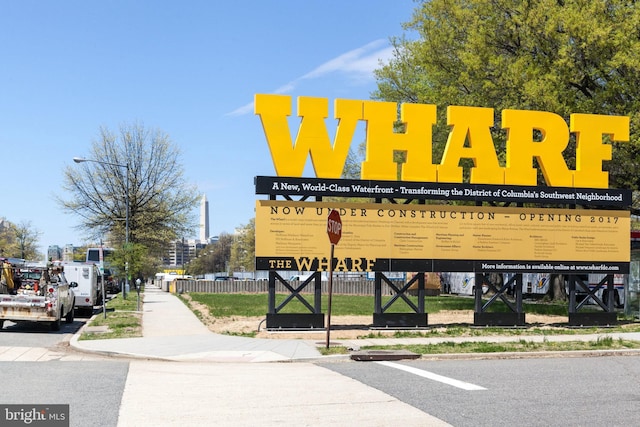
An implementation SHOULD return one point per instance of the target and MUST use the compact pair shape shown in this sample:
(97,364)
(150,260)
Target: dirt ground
(344,327)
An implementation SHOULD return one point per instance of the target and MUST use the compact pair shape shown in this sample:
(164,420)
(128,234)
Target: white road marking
(435,377)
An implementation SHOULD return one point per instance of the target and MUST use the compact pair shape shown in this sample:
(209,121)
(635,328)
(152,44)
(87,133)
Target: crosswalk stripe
(435,377)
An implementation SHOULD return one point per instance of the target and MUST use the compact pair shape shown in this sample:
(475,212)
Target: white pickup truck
(35,292)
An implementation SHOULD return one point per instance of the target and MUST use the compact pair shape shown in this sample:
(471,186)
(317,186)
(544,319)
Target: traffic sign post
(334,230)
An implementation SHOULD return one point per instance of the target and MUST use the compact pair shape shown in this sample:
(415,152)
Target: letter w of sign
(289,159)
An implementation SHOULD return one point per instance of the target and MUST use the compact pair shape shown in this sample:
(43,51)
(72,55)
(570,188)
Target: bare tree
(135,165)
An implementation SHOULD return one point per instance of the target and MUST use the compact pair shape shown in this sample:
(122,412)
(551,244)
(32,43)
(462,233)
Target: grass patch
(122,321)
(467,331)
(333,350)
(521,346)
(603,343)
(250,334)
(227,305)
(256,305)
(196,307)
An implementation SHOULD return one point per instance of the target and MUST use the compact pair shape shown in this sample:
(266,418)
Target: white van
(88,294)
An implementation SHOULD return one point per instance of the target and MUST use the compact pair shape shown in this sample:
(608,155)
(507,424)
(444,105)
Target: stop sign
(334,227)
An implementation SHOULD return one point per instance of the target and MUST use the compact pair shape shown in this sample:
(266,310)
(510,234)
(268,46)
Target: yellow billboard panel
(388,237)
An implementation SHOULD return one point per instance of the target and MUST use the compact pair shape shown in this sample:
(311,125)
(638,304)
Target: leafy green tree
(27,240)
(139,166)
(19,240)
(7,239)
(213,258)
(80,253)
(352,165)
(243,249)
(141,264)
(569,56)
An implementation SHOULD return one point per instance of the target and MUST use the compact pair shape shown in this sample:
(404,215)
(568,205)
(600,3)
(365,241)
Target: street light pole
(126,234)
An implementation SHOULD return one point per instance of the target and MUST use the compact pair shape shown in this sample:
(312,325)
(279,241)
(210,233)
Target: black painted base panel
(498,319)
(295,321)
(593,319)
(399,320)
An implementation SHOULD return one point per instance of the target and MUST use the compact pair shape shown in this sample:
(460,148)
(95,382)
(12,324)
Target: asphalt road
(592,391)
(93,390)
(37,334)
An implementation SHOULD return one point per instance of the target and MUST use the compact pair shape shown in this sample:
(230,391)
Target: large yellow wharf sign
(290,235)
(470,138)
(384,237)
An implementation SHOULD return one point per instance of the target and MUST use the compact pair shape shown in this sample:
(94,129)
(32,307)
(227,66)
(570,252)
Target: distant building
(204,219)
(54,253)
(182,251)
(67,252)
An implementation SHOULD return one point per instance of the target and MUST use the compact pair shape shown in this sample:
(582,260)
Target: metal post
(330,291)
(104,302)
(126,237)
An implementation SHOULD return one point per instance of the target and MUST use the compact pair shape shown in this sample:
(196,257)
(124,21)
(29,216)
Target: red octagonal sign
(334,227)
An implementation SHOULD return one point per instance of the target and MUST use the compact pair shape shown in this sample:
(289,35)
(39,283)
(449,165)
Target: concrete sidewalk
(172,332)
(236,394)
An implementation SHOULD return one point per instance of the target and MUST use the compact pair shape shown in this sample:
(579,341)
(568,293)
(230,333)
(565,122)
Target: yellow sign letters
(469,138)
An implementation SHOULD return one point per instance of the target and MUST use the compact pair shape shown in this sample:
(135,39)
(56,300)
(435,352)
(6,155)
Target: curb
(74,343)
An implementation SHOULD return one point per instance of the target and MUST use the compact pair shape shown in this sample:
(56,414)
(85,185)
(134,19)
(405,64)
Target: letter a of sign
(334,227)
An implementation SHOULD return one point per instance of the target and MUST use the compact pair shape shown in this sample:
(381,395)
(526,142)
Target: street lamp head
(102,162)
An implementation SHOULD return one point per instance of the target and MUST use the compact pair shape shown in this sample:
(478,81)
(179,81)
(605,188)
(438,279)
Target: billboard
(414,237)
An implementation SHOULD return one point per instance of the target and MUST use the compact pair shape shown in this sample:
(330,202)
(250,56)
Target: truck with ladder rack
(35,292)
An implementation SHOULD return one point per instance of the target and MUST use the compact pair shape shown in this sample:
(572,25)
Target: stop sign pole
(334,230)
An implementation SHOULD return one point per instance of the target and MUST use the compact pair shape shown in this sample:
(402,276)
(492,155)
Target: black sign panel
(595,197)
(438,265)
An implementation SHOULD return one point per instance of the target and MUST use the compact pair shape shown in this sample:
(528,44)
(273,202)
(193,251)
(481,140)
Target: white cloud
(289,87)
(367,64)
(244,110)
(358,63)
(357,60)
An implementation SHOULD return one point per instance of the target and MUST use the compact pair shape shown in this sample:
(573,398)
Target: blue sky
(190,68)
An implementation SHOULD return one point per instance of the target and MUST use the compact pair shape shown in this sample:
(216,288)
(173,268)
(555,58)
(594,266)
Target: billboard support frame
(383,319)
(482,317)
(607,317)
(311,320)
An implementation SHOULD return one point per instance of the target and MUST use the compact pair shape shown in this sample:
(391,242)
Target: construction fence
(350,287)
(363,287)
